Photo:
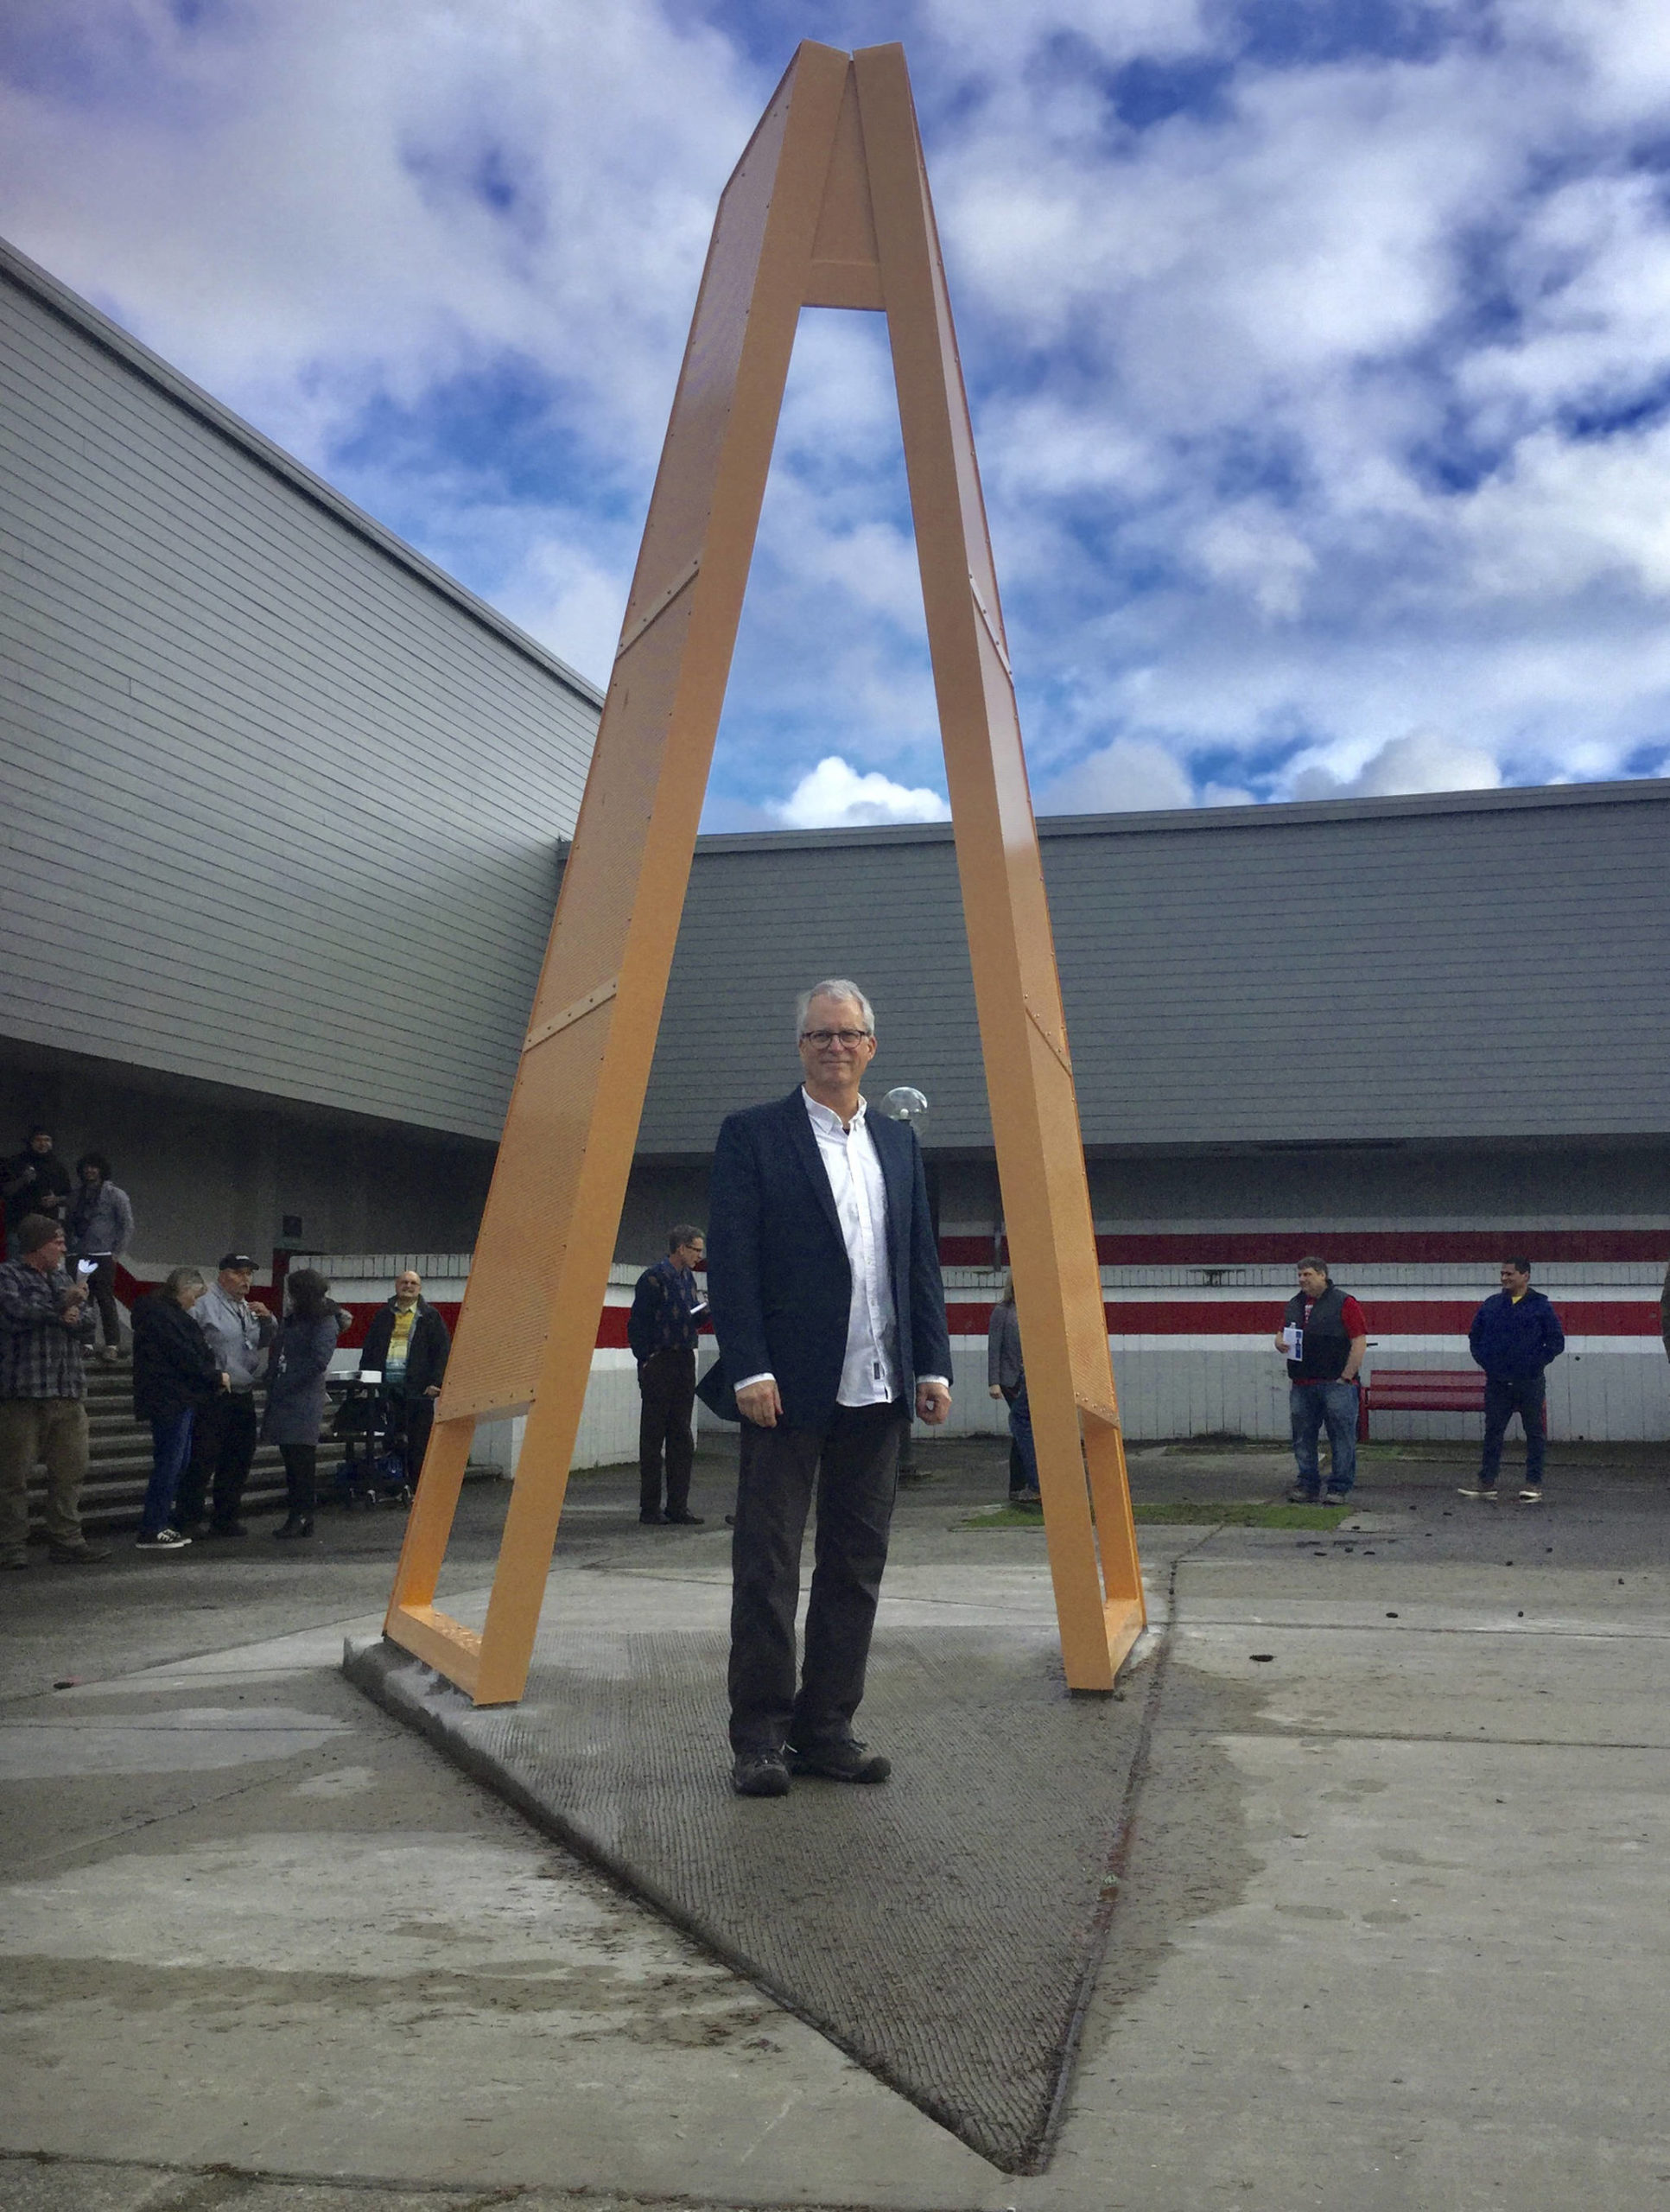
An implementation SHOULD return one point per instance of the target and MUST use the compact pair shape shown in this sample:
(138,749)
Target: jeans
(170,1450)
(1023,1451)
(1311,1404)
(853,1463)
(1504,1396)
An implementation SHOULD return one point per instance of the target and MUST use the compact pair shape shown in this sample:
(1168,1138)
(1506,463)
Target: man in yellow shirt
(408,1345)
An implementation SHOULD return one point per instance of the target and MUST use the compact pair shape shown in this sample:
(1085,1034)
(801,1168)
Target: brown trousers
(31,1430)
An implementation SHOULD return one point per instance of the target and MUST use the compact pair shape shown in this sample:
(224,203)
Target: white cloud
(1132,775)
(1249,546)
(1422,761)
(1321,412)
(836,796)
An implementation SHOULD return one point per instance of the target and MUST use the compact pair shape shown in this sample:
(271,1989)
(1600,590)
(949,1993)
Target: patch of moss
(1240,1513)
(1188,1512)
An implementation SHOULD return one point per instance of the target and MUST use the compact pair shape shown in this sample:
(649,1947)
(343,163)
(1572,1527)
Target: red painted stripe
(1172,1317)
(1344,1247)
(1400,1318)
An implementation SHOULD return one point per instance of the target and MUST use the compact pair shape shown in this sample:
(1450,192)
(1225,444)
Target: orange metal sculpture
(827,207)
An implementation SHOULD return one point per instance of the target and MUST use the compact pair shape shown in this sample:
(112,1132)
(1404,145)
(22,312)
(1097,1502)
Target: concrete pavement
(1391,1929)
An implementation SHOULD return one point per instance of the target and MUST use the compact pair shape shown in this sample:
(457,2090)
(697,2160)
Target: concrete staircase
(119,1456)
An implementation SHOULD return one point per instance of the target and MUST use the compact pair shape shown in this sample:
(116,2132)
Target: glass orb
(906,1103)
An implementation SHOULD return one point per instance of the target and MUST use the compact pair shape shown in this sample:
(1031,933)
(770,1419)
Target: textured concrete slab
(941,1930)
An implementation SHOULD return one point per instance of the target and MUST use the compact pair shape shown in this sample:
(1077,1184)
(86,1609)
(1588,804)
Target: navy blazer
(778,1279)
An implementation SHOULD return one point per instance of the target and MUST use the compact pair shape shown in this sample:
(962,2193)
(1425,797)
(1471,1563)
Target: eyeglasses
(823,1038)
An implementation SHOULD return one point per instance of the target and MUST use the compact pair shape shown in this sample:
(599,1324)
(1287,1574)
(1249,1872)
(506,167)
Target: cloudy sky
(1319,352)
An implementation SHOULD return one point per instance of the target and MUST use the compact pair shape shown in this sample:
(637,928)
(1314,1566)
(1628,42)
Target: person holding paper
(1323,1336)
(668,1310)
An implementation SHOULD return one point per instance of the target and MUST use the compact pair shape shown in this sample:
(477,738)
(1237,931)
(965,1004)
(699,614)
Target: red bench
(1419,1390)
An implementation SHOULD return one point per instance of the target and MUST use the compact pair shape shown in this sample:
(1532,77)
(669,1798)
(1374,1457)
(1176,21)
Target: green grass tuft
(1188,1512)
(1240,1513)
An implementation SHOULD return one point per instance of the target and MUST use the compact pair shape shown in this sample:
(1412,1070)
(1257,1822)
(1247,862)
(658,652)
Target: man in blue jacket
(1514,1338)
(823,1278)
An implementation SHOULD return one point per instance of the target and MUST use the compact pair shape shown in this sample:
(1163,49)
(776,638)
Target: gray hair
(833,987)
(176,1279)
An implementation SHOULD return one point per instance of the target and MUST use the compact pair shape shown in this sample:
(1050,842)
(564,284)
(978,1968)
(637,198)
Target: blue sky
(1319,352)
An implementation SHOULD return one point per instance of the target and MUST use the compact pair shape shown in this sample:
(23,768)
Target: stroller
(370,1424)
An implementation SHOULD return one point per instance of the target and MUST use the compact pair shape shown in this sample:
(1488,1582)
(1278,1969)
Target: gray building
(1394,1013)
(282,810)
(283,817)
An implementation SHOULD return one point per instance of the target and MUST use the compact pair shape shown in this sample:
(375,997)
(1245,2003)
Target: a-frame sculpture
(827,207)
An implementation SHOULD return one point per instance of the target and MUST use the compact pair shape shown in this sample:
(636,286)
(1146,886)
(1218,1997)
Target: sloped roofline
(1207,819)
(112,339)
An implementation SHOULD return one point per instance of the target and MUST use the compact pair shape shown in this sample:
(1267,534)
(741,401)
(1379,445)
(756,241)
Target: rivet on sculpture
(827,207)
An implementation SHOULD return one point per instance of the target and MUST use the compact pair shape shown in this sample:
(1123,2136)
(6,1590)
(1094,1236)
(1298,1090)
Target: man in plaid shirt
(43,1329)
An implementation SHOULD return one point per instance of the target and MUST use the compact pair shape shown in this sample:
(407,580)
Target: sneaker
(684,1520)
(845,1760)
(760,1774)
(1299,1495)
(164,1540)
(225,1529)
(1336,1498)
(1531,1494)
(1478,1490)
(81,1555)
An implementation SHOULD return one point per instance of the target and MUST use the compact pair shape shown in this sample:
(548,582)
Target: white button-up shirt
(869,1372)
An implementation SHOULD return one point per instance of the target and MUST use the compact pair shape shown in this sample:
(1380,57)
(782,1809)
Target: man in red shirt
(1324,1335)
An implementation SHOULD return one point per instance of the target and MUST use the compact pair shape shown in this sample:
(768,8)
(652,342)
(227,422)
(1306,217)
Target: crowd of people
(94,1213)
(829,1316)
(216,1373)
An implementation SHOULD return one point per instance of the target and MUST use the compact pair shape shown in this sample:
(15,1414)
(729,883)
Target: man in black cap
(240,1331)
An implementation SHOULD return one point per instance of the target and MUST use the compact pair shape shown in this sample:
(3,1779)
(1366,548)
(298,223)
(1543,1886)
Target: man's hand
(434,1390)
(225,1380)
(759,1403)
(261,1313)
(1280,1340)
(996,1390)
(71,1315)
(933,1403)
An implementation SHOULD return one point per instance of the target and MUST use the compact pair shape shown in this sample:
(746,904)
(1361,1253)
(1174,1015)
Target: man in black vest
(1324,1335)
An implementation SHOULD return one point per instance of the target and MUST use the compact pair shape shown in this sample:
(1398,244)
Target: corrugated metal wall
(1474,965)
(282,803)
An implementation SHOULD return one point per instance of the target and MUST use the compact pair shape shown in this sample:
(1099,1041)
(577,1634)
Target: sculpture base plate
(941,1927)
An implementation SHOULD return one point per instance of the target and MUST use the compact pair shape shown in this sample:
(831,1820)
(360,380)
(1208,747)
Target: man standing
(34,1180)
(43,1326)
(662,1329)
(239,1332)
(1514,1336)
(408,1345)
(830,1315)
(1324,1335)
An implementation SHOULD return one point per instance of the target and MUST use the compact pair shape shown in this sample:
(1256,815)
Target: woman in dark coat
(295,1401)
(174,1373)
